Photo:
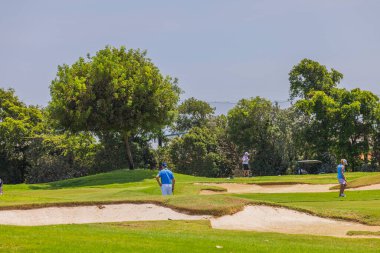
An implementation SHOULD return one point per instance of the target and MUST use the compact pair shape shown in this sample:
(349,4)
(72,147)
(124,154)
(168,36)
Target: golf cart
(308,167)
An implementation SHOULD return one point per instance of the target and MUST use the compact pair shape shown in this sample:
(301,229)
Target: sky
(220,50)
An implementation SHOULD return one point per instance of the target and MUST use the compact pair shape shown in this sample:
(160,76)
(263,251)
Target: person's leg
(169,189)
(343,188)
(163,189)
(166,189)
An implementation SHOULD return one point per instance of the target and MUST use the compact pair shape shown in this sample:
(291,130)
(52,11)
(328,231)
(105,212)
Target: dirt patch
(92,214)
(279,188)
(282,220)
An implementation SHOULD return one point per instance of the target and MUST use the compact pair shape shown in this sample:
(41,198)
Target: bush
(60,156)
(200,153)
(50,168)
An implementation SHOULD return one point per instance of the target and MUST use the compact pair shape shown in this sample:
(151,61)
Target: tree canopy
(193,113)
(117,90)
(309,76)
(18,125)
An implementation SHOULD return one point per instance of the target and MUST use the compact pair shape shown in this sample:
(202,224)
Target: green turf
(363,181)
(365,233)
(167,236)
(140,186)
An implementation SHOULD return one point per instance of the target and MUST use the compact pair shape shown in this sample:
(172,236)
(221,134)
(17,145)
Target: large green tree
(205,151)
(19,124)
(193,113)
(356,125)
(117,90)
(341,123)
(309,75)
(313,84)
(263,129)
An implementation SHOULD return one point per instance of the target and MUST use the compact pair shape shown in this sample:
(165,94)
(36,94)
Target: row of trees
(324,122)
(105,109)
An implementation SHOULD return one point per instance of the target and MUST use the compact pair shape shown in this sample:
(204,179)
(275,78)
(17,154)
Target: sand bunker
(281,220)
(257,218)
(92,214)
(284,188)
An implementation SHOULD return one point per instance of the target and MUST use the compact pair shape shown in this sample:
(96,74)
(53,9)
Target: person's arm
(344,170)
(158,180)
(173,183)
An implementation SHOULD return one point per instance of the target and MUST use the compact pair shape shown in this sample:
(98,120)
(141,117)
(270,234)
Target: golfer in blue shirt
(341,178)
(167,180)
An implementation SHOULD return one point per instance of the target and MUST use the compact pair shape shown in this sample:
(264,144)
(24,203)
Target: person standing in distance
(341,178)
(1,187)
(245,160)
(167,180)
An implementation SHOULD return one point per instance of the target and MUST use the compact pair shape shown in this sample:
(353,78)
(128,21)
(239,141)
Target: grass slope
(362,181)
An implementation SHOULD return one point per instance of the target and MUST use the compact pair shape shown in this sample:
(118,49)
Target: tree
(342,123)
(202,152)
(56,156)
(376,138)
(193,113)
(320,131)
(18,126)
(117,90)
(310,76)
(356,125)
(261,128)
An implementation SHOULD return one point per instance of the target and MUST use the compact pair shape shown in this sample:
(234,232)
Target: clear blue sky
(220,50)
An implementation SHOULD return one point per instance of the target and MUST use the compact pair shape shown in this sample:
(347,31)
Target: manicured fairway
(167,236)
(139,186)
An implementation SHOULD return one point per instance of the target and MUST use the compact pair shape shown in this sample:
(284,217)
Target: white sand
(281,220)
(92,214)
(257,218)
(286,188)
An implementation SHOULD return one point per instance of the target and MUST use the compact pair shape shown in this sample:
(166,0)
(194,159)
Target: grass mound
(362,181)
(355,233)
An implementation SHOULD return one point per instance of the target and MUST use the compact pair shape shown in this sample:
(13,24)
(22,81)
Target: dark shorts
(245,167)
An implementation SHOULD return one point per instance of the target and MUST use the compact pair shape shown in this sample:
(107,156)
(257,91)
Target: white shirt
(245,159)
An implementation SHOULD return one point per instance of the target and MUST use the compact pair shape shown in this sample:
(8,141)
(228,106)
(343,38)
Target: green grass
(362,181)
(365,233)
(167,236)
(139,186)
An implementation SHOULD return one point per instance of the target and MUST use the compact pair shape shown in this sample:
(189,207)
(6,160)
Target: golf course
(139,219)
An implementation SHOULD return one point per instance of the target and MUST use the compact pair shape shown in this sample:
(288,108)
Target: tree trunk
(129,154)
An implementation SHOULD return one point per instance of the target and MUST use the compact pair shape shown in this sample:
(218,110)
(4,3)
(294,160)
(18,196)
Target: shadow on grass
(113,177)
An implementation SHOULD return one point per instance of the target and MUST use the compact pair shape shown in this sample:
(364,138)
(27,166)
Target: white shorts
(341,181)
(166,189)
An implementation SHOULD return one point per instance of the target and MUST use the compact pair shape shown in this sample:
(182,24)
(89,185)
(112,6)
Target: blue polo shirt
(340,170)
(166,176)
